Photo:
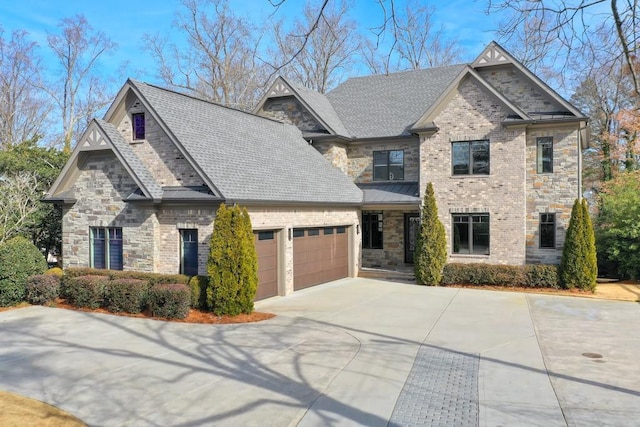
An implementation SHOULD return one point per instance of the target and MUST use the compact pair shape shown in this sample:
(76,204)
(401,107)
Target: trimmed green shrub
(55,271)
(170,300)
(151,278)
(42,288)
(127,295)
(85,291)
(542,276)
(578,266)
(591,253)
(19,259)
(198,286)
(430,255)
(232,264)
(532,276)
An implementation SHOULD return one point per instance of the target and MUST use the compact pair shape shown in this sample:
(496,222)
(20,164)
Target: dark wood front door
(411,230)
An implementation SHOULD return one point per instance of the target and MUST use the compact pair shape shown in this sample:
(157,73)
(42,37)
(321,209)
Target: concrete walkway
(354,352)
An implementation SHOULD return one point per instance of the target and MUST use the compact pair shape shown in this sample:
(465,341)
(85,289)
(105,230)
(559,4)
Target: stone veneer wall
(335,153)
(289,110)
(517,88)
(99,189)
(392,252)
(158,153)
(474,114)
(360,155)
(551,192)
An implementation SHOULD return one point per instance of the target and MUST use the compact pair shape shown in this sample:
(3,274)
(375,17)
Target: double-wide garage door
(319,255)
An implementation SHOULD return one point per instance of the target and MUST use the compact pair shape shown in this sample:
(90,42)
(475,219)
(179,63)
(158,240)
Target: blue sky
(126,21)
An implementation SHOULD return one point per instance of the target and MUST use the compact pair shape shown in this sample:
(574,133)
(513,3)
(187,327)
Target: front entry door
(411,229)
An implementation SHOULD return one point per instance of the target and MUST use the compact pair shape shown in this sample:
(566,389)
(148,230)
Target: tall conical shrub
(591,253)
(232,264)
(431,248)
(578,267)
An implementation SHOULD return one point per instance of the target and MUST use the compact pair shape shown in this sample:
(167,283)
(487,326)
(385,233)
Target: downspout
(580,161)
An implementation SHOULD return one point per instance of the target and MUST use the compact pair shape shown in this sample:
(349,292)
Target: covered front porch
(390,220)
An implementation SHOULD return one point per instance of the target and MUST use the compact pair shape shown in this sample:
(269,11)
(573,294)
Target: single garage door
(319,255)
(267,249)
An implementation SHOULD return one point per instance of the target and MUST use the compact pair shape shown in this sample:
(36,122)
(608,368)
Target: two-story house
(332,181)
(501,148)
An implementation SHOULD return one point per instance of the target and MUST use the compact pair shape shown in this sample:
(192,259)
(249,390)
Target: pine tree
(591,254)
(431,248)
(232,264)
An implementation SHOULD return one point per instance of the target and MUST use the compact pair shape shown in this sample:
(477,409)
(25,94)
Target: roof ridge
(206,101)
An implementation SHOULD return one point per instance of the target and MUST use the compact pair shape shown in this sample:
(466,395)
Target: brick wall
(474,114)
(158,153)
(519,89)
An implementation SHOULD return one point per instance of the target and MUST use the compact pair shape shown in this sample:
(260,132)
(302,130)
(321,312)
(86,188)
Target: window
(388,165)
(372,230)
(266,235)
(313,232)
(189,252)
(298,232)
(470,157)
(545,154)
(471,234)
(106,248)
(137,120)
(548,230)
(328,230)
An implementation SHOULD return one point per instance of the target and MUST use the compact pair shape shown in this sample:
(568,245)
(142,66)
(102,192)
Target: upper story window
(137,121)
(470,157)
(388,165)
(544,148)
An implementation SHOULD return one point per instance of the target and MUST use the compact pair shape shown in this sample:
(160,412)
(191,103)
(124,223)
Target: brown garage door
(319,255)
(267,249)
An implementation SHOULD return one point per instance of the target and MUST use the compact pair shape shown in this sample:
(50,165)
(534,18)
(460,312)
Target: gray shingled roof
(322,107)
(387,105)
(136,165)
(383,193)
(249,158)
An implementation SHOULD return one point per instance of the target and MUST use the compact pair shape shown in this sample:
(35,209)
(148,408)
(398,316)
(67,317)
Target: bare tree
(321,47)
(568,25)
(418,43)
(80,92)
(603,94)
(23,111)
(219,62)
(19,196)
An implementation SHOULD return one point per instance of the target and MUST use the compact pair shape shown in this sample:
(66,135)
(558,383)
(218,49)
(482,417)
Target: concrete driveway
(353,352)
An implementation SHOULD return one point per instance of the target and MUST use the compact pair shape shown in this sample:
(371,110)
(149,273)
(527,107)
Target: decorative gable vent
(279,89)
(94,140)
(492,56)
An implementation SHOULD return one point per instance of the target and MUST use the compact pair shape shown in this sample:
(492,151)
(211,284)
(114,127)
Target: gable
(288,109)
(157,151)
(103,138)
(428,123)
